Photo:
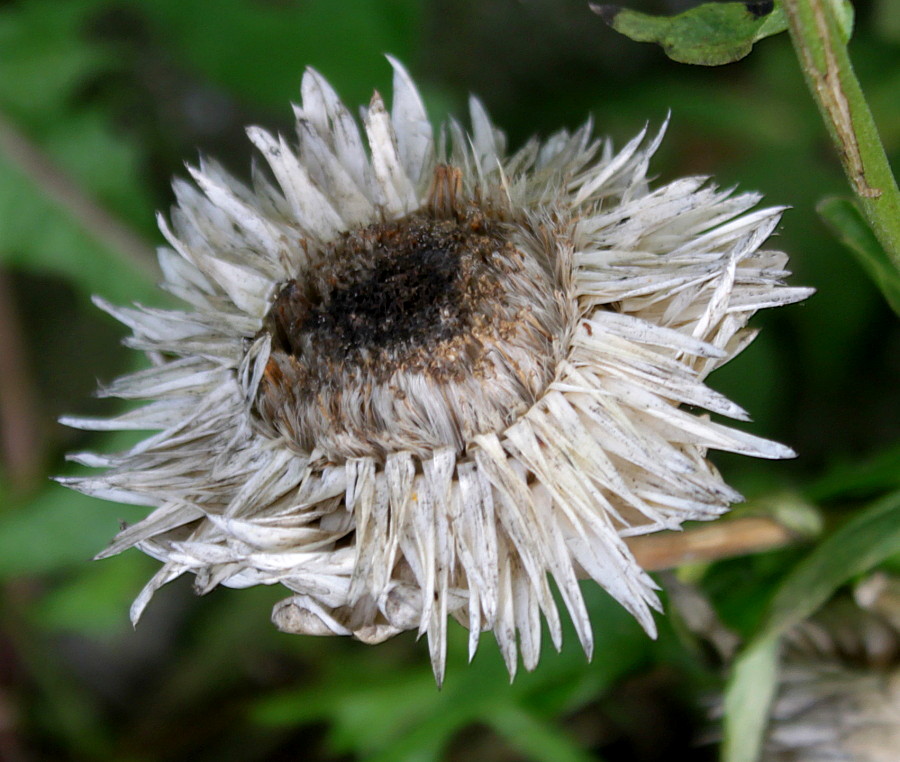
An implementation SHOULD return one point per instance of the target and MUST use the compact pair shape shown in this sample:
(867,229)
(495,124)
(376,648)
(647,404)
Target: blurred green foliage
(113,95)
(869,539)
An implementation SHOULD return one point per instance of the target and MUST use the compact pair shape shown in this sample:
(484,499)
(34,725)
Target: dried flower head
(419,377)
(838,697)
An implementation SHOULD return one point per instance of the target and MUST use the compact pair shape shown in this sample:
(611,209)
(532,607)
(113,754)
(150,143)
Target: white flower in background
(419,377)
(835,713)
(838,697)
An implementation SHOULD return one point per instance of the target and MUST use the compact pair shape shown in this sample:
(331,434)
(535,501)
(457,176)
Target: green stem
(821,48)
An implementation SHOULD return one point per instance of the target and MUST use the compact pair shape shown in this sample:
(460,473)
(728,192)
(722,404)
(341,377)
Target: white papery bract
(420,377)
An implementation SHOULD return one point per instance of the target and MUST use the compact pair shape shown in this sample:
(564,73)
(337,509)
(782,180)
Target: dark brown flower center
(412,293)
(413,334)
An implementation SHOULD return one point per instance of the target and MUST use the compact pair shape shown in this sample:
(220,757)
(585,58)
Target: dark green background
(117,95)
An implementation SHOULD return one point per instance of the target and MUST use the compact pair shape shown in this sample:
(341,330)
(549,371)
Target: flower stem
(822,50)
(729,539)
(57,186)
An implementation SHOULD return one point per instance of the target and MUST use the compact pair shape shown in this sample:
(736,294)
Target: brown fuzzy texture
(444,296)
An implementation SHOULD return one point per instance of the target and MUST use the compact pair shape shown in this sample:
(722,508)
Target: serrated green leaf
(708,35)
(848,224)
(749,693)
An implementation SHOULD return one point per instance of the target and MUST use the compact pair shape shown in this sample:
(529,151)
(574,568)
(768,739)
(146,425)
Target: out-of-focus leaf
(740,589)
(70,146)
(748,695)
(425,739)
(38,236)
(57,529)
(708,35)
(66,710)
(95,602)
(887,19)
(790,509)
(863,542)
(874,476)
(402,715)
(259,50)
(536,739)
(44,58)
(373,716)
(848,224)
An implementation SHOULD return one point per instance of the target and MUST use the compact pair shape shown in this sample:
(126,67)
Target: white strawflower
(838,697)
(419,376)
(833,713)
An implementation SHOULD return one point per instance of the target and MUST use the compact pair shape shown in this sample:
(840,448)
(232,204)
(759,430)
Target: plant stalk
(728,539)
(57,186)
(822,51)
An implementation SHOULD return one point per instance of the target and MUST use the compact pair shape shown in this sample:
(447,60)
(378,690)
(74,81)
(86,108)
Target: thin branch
(60,188)
(725,539)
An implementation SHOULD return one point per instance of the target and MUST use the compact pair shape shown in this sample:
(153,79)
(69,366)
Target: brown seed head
(421,327)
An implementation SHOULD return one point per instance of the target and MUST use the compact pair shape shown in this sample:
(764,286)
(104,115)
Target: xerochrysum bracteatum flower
(419,377)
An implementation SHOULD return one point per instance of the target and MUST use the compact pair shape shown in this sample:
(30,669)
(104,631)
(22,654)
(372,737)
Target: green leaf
(58,528)
(748,695)
(383,710)
(845,15)
(862,543)
(537,739)
(369,716)
(866,479)
(45,59)
(850,227)
(37,235)
(708,35)
(69,151)
(259,50)
(865,541)
(95,602)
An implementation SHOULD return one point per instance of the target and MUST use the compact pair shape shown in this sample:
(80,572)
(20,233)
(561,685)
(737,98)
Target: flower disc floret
(412,334)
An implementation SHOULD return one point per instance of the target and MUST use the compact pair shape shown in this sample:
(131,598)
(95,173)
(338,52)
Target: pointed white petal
(396,191)
(415,141)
